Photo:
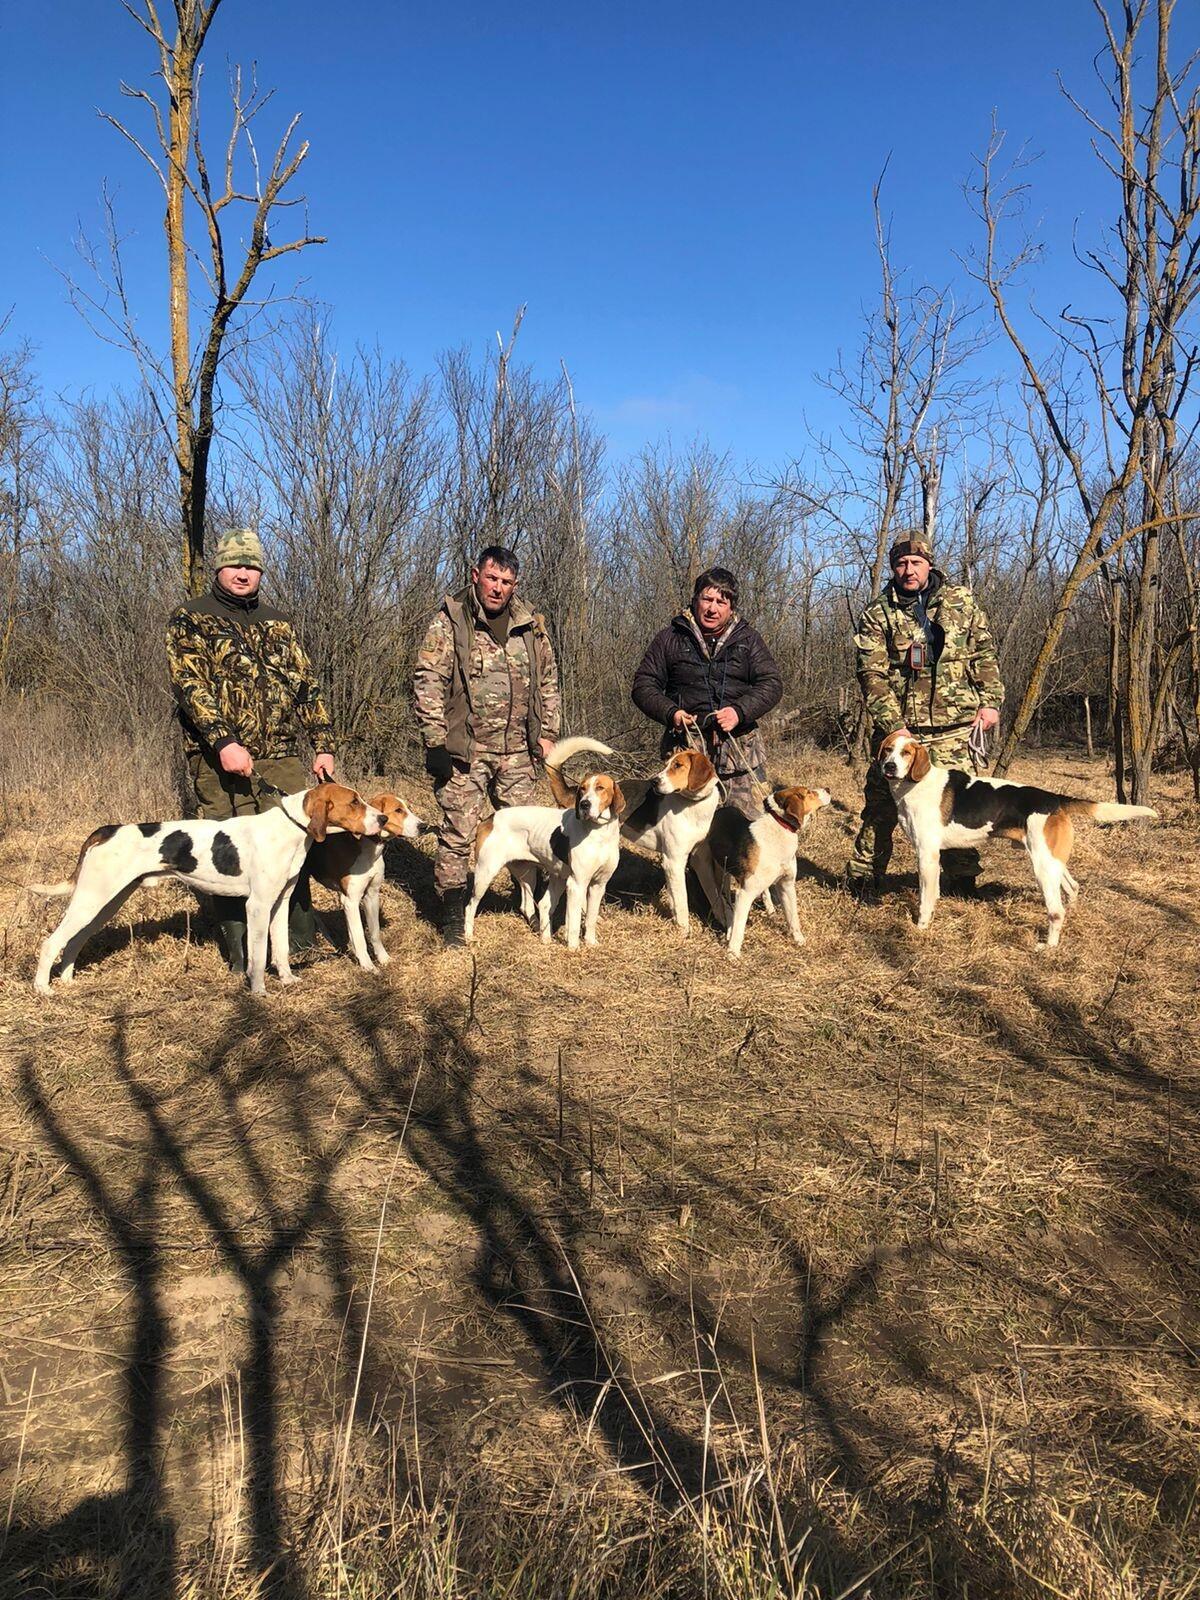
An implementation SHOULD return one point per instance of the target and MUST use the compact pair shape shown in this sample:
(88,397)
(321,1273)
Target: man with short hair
(927,665)
(709,671)
(246,694)
(487,703)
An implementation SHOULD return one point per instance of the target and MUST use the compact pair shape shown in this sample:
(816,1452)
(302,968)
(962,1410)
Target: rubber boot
(302,919)
(229,915)
(454,909)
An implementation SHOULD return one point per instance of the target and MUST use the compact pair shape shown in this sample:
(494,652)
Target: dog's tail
(561,753)
(1104,811)
(67,885)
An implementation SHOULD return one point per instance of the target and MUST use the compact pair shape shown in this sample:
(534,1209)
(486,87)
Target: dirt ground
(878,1255)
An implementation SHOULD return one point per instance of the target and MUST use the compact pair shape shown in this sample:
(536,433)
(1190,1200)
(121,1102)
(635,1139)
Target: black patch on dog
(101,835)
(225,856)
(559,846)
(176,851)
(976,805)
(148,829)
(731,841)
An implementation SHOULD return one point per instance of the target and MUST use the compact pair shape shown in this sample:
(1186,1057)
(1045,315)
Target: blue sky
(680,192)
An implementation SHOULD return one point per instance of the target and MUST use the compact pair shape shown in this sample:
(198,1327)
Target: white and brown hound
(353,868)
(257,856)
(944,809)
(576,849)
(755,856)
(669,813)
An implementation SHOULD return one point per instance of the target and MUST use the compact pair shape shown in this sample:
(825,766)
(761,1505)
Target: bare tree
(1134,361)
(235,203)
(348,460)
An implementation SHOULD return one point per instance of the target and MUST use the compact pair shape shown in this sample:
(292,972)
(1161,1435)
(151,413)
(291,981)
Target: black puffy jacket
(677,672)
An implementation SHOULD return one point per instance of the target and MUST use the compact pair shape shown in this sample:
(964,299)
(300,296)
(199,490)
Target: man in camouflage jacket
(927,664)
(246,695)
(487,703)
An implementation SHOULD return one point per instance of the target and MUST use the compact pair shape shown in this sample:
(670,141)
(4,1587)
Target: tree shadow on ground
(217,1158)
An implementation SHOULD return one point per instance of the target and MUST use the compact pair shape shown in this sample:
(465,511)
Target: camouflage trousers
(873,846)
(744,791)
(219,796)
(470,794)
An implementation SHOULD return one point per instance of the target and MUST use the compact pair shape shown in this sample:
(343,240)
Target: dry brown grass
(868,1268)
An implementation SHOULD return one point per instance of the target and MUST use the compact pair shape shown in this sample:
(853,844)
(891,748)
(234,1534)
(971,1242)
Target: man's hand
(323,767)
(683,719)
(987,717)
(727,718)
(236,759)
(439,763)
(545,746)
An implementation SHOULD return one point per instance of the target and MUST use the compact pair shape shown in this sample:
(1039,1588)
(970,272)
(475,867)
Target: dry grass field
(864,1269)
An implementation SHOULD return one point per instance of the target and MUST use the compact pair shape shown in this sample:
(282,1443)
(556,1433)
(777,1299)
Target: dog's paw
(382,958)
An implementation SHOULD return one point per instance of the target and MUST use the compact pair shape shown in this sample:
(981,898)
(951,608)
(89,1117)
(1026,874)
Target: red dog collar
(782,819)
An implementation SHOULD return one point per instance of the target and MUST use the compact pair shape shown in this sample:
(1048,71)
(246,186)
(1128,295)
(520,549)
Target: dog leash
(977,746)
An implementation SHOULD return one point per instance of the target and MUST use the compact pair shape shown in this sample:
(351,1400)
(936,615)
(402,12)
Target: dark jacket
(678,672)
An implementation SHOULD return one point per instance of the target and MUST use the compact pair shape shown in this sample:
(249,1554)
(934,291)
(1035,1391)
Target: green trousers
(873,846)
(219,796)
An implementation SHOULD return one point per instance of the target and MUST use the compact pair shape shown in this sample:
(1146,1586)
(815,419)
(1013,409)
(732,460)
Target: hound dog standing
(669,813)
(257,856)
(577,849)
(940,808)
(353,868)
(755,856)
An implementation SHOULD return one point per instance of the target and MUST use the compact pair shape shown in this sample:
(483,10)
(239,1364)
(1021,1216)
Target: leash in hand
(978,741)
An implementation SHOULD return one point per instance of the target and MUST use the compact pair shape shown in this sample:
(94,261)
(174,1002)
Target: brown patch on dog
(564,794)
(690,772)
(1060,835)
(920,764)
(1017,835)
(734,847)
(332,805)
(330,861)
(394,809)
(798,803)
(482,831)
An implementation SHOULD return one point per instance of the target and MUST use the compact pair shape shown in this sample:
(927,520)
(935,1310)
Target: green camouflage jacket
(240,675)
(474,695)
(960,672)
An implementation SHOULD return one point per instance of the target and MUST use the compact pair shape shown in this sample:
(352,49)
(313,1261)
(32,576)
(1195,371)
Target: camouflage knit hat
(240,547)
(910,544)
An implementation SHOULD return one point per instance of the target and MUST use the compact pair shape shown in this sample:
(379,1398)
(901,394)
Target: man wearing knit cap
(246,695)
(927,665)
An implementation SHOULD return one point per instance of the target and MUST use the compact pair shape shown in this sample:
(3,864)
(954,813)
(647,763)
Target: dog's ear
(318,806)
(920,764)
(618,799)
(702,772)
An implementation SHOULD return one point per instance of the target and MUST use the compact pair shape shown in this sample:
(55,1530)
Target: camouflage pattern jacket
(240,676)
(959,672)
(474,695)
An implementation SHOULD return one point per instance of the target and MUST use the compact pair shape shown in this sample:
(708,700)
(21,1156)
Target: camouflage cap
(240,547)
(911,544)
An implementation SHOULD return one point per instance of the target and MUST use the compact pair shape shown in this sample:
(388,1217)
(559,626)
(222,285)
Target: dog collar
(781,819)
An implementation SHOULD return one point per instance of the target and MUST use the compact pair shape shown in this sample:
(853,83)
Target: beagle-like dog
(755,856)
(944,809)
(576,849)
(257,856)
(353,868)
(670,813)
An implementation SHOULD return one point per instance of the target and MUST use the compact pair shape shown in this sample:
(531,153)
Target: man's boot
(302,919)
(454,909)
(229,915)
